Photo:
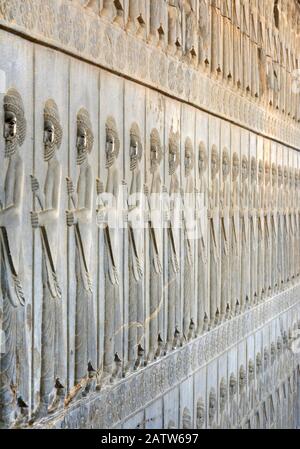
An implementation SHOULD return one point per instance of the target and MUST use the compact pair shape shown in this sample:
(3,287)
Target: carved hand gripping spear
(88,284)
(202,242)
(157,262)
(115,276)
(174,257)
(140,273)
(53,282)
(188,243)
(4,242)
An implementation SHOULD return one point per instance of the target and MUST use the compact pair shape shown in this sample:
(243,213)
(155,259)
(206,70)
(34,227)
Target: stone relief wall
(106,326)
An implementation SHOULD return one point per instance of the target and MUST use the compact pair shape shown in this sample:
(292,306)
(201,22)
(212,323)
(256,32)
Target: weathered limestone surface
(192,108)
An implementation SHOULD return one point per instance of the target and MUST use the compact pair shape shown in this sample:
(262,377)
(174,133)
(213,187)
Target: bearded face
(10,133)
(202,161)
(81,145)
(134,153)
(173,163)
(49,140)
(110,150)
(188,162)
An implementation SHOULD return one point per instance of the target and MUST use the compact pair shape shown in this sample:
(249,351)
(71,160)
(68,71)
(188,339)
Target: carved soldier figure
(188,221)
(136,250)
(213,215)
(174,27)
(274,228)
(252,389)
(156,294)
(224,216)
(236,19)
(80,217)
(260,233)
(204,33)
(233,407)
(286,227)
(243,403)
(258,383)
(158,22)
(226,11)
(191,45)
(212,409)
(267,229)
(291,224)
(14,133)
(244,234)
(203,303)
(47,220)
(297,222)
(245,44)
(108,218)
(253,204)
(216,41)
(280,229)
(234,231)
(254,48)
(200,423)
(224,418)
(174,315)
(136,18)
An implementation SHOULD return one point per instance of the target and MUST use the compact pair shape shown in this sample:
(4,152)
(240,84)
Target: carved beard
(172,168)
(10,147)
(81,156)
(49,151)
(110,160)
(133,163)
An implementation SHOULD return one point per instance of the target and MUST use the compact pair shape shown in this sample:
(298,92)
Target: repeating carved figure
(291,222)
(200,422)
(280,228)
(158,22)
(236,19)
(155,251)
(226,10)
(286,225)
(174,306)
(108,217)
(189,307)
(204,33)
(80,217)
(243,399)
(203,306)
(233,406)
(136,18)
(47,220)
(267,230)
(191,35)
(253,205)
(13,298)
(212,409)
(224,217)
(260,233)
(174,27)
(244,234)
(274,228)
(213,215)
(224,418)
(234,231)
(216,44)
(136,256)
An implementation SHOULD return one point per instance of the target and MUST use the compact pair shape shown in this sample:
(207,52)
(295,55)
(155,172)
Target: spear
(46,244)
(115,281)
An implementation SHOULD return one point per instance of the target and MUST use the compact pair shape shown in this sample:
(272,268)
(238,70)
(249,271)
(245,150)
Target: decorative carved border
(113,405)
(80,32)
